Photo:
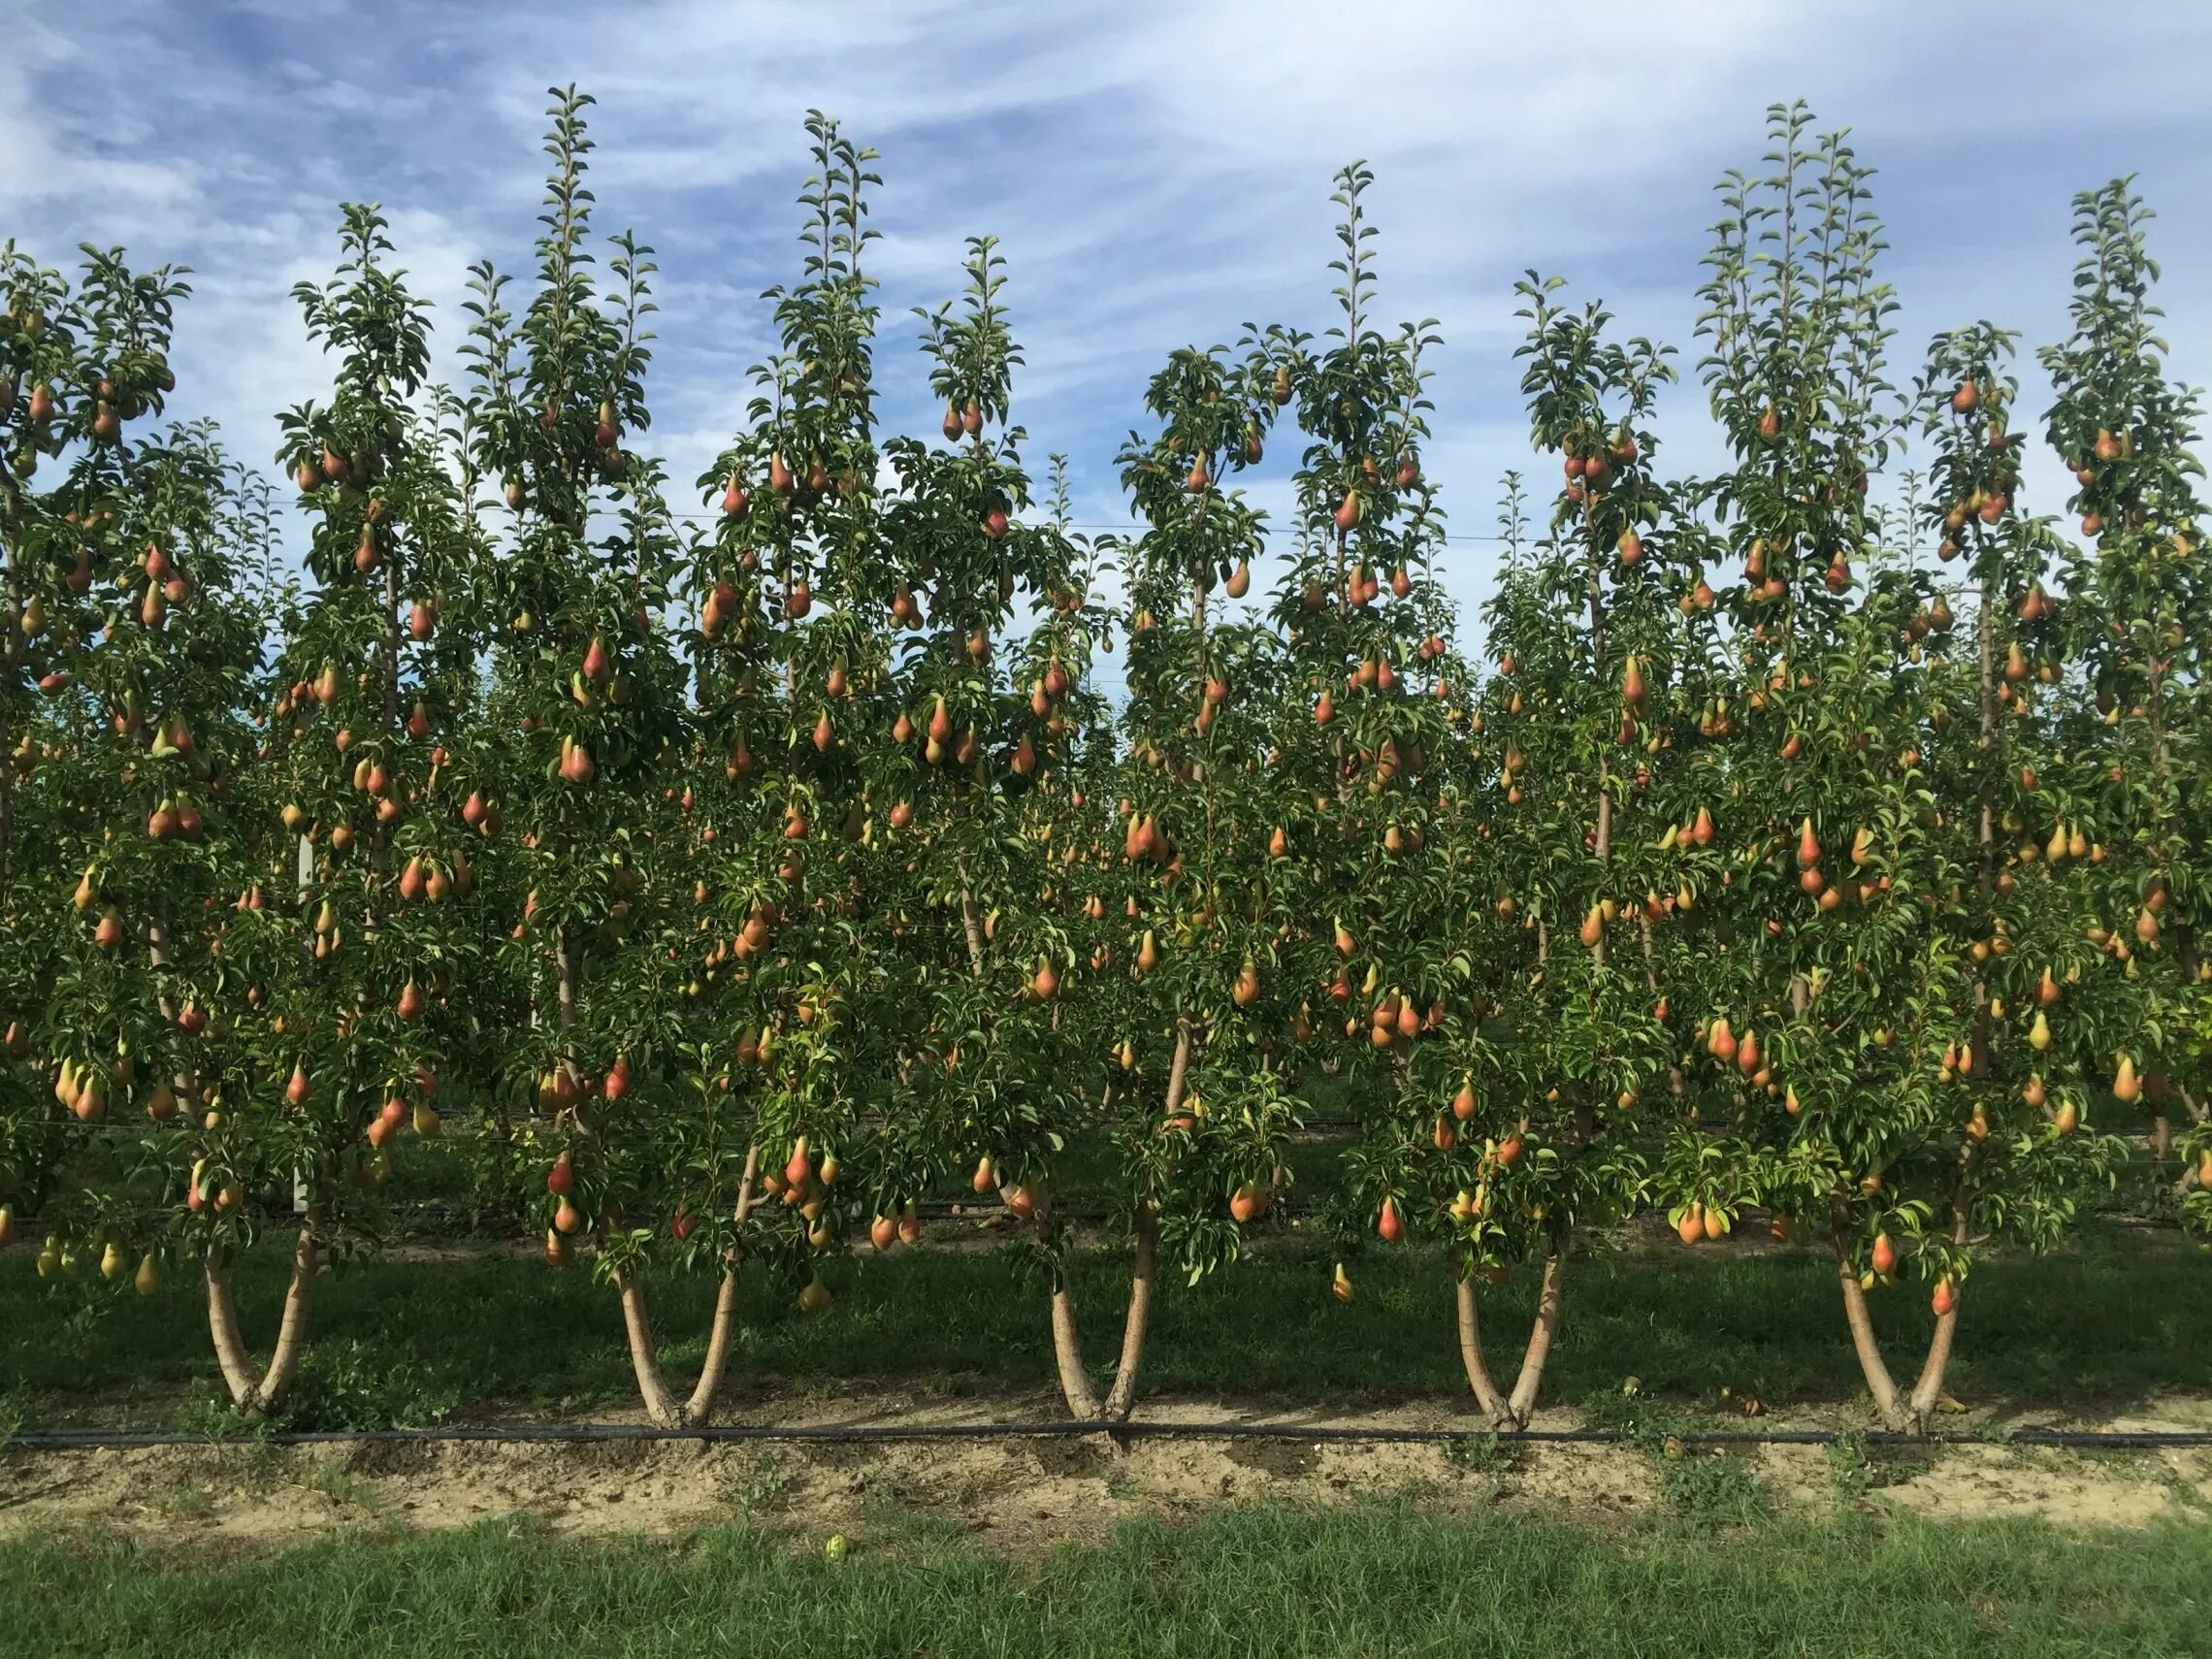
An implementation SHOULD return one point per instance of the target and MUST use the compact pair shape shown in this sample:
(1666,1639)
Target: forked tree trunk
(254,1391)
(1083,1402)
(662,1406)
(1510,1411)
(1908,1413)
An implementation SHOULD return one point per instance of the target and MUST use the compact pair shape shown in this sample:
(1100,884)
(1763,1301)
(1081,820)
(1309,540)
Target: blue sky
(1157,175)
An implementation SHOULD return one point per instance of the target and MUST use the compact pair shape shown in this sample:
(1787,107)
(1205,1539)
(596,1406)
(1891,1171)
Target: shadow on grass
(2116,1317)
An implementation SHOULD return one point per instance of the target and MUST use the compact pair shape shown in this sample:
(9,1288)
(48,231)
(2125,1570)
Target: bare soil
(1024,1496)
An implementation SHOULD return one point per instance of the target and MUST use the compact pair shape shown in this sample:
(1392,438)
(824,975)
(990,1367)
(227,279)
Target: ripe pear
(2126,1086)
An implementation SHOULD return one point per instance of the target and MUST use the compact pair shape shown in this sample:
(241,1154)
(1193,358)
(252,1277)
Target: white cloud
(1158,174)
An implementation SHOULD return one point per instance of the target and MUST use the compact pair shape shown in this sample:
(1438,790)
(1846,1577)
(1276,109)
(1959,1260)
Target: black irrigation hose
(526,1433)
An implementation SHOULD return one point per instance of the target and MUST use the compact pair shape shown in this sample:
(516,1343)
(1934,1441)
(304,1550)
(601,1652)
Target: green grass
(2116,1317)
(1277,1580)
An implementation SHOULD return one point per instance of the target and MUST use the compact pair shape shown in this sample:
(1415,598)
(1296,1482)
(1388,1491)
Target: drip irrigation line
(548,1433)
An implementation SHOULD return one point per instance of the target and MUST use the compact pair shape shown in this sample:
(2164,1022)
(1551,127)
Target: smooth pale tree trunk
(1510,1411)
(1067,1355)
(1121,1398)
(1083,1402)
(1900,1410)
(252,1390)
(662,1406)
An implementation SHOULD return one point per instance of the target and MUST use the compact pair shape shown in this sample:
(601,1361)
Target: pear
(2126,1086)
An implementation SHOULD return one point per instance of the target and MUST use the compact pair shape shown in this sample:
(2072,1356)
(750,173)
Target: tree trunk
(1896,1408)
(1928,1393)
(1539,1351)
(1083,1402)
(971,924)
(253,1391)
(645,1353)
(701,1407)
(1509,1411)
(1121,1398)
(565,980)
(1486,1393)
(1889,1406)
(662,1408)
(10,660)
(1067,1355)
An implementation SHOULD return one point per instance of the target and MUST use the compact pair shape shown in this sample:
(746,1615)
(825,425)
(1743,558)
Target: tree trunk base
(1900,1412)
(1083,1402)
(662,1406)
(253,1391)
(1508,1412)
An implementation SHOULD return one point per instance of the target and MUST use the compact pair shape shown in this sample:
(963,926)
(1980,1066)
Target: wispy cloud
(1157,175)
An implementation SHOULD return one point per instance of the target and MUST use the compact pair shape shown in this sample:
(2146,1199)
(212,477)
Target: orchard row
(731,888)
